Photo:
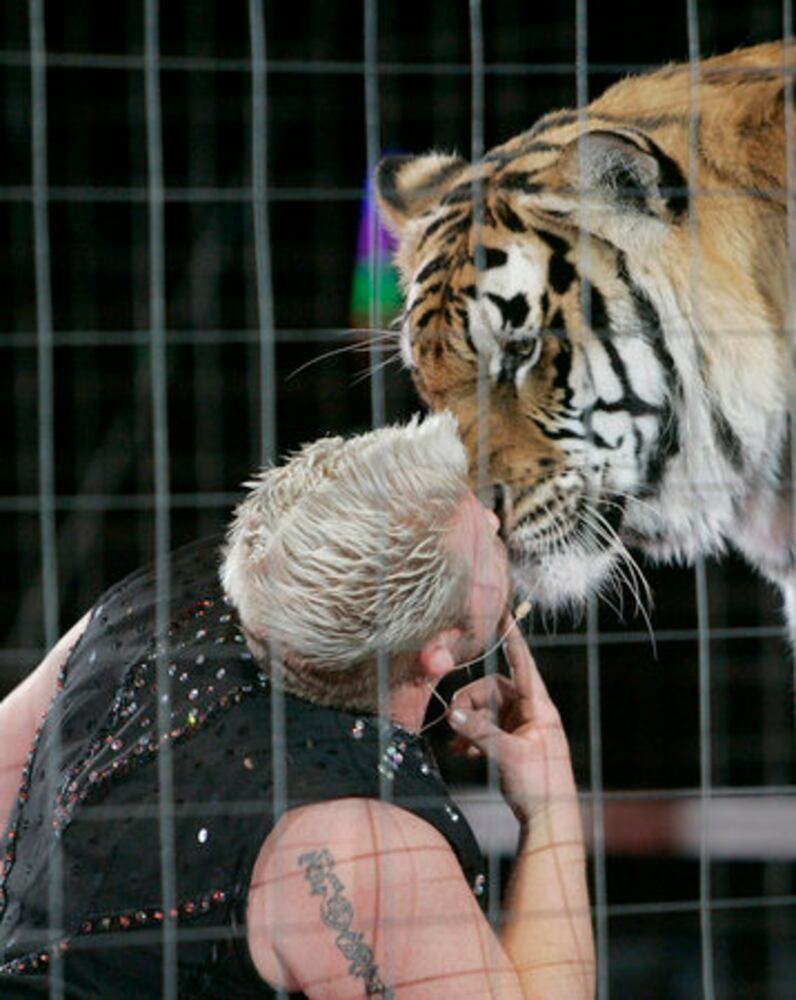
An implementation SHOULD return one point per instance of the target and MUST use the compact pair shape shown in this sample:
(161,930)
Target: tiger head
(547,305)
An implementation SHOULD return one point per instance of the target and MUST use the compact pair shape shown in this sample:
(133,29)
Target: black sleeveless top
(104,820)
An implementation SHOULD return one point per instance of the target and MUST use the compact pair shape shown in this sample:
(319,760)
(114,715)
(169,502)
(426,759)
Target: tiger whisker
(358,347)
(634,578)
(396,357)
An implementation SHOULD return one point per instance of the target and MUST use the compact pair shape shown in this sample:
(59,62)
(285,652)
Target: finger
(493,691)
(479,730)
(527,679)
(459,745)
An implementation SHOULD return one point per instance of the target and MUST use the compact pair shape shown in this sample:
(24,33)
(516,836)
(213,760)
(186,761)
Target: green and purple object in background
(381,286)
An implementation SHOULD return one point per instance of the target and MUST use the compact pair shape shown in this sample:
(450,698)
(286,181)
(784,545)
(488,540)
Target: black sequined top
(102,823)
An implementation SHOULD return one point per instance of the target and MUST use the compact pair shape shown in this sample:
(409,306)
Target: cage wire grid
(719,903)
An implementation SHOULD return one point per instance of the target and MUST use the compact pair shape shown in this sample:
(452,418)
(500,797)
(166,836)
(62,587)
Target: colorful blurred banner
(385,288)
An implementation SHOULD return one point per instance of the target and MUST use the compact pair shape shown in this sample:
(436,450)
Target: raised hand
(514,721)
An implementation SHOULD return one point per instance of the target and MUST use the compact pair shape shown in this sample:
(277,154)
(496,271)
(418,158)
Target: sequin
(220,673)
(358,729)
(452,813)
(202,835)
(200,659)
(425,769)
(248,763)
(479,885)
(193,694)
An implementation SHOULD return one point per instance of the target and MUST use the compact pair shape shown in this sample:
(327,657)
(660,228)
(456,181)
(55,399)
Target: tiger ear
(605,172)
(407,185)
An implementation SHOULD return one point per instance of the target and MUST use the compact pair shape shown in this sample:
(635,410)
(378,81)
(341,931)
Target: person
(297,836)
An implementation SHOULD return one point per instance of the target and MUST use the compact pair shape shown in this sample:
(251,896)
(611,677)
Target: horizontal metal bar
(121,939)
(98,502)
(140,338)
(177,195)
(563,639)
(204,195)
(323,67)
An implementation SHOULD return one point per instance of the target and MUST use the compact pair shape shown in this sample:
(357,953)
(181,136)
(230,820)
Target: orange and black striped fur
(608,315)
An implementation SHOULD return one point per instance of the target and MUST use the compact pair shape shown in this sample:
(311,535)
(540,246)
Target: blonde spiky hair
(340,555)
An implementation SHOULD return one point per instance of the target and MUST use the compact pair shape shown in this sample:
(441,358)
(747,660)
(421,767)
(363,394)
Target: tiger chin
(607,315)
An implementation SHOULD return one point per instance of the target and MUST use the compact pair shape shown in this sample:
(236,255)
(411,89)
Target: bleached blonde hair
(341,554)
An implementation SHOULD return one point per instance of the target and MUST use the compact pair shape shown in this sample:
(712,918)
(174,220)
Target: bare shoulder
(22,711)
(358,896)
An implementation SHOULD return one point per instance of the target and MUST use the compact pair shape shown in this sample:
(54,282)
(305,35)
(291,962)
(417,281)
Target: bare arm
(357,896)
(547,931)
(22,711)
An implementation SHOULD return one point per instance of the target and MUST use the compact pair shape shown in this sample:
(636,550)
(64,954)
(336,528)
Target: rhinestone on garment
(391,760)
(358,729)
(479,885)
(425,769)
(452,813)
(202,835)
(248,763)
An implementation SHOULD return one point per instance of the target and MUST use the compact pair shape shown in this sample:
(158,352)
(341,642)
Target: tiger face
(549,305)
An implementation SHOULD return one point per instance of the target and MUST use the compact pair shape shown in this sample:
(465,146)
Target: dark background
(98,218)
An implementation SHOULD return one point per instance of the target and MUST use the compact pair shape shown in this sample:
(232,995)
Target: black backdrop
(98,219)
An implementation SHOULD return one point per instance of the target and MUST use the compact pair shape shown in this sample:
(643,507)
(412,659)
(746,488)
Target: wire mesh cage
(196,283)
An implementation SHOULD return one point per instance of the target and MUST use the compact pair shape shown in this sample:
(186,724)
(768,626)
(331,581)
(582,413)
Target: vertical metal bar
(790,331)
(703,619)
(790,235)
(267,381)
(373,149)
(477,144)
(44,340)
(45,388)
(370,42)
(160,444)
(278,753)
(592,616)
(262,243)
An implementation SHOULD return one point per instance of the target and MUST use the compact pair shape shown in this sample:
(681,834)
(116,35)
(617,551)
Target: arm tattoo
(338,913)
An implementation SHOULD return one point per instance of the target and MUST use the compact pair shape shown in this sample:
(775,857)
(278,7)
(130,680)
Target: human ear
(436,656)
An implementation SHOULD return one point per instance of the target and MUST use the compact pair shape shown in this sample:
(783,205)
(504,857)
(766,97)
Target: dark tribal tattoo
(338,913)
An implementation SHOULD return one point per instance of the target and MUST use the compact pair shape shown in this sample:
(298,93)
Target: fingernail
(458,716)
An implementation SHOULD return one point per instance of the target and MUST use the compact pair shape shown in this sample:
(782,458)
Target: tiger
(604,304)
